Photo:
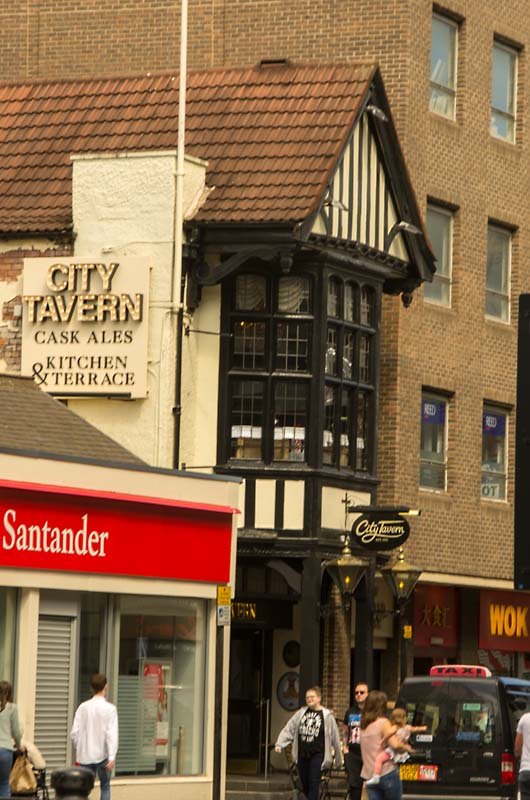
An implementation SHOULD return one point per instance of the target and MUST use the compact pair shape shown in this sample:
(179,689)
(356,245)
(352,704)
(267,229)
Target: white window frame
(507,296)
(439,278)
(489,408)
(450,91)
(437,398)
(497,45)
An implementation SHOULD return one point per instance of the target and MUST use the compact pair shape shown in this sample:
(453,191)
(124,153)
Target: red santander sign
(65,529)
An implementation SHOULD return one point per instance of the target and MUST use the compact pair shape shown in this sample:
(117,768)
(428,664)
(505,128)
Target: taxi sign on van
(459,671)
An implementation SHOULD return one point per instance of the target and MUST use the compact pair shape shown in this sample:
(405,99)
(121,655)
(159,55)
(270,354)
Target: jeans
(524,784)
(388,788)
(310,770)
(6,762)
(101,771)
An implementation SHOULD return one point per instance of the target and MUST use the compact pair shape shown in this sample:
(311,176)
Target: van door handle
(459,753)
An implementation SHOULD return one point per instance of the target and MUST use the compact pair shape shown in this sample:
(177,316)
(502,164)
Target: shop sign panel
(84,326)
(65,529)
(435,616)
(504,621)
(377,531)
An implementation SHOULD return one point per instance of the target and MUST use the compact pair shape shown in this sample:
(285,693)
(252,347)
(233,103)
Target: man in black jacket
(351,746)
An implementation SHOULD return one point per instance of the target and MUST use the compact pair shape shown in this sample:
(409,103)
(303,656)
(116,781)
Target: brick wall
(11,265)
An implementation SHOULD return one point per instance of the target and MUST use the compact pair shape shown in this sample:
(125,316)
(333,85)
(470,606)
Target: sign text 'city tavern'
(85,326)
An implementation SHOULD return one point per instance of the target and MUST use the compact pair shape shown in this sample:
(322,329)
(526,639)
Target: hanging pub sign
(380,531)
(84,326)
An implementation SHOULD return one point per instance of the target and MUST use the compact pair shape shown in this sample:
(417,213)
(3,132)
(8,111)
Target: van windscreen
(455,712)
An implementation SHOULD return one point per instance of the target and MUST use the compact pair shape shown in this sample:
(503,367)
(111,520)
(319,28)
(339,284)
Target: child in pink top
(398,718)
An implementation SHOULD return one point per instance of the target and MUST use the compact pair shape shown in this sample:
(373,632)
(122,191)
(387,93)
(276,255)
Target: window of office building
(443,66)
(503,92)
(498,273)
(440,232)
(494,425)
(161,678)
(433,447)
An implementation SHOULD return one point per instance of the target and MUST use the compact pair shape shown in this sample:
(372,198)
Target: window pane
(333,298)
(367,306)
(162,658)
(503,80)
(497,273)
(246,419)
(502,126)
(251,293)
(443,66)
(362,421)
(442,102)
(365,358)
(493,455)
(432,455)
(249,345)
(292,347)
(293,295)
(329,425)
(348,354)
(443,53)
(345,427)
(290,410)
(350,302)
(331,352)
(439,232)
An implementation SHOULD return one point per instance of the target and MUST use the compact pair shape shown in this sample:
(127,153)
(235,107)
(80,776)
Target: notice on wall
(85,326)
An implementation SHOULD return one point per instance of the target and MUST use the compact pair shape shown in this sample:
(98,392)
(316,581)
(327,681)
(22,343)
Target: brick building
(456,74)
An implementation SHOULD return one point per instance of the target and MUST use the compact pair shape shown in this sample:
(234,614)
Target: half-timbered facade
(300,216)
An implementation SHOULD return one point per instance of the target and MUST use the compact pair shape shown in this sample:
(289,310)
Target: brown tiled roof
(271,136)
(33,422)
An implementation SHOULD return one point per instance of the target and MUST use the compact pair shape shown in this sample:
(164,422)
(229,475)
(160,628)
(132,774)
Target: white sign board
(85,326)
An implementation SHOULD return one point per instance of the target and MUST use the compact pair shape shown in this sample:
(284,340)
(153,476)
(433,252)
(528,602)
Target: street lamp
(347,570)
(401,577)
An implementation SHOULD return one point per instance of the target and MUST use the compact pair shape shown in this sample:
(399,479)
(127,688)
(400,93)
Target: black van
(467,750)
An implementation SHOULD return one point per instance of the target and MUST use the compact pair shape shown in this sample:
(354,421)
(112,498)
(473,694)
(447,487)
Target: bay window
(282,328)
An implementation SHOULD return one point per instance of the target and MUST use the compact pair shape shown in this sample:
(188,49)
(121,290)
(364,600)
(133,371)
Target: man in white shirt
(95,734)
(522,751)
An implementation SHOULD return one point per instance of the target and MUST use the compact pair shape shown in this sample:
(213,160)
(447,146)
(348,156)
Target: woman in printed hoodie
(315,738)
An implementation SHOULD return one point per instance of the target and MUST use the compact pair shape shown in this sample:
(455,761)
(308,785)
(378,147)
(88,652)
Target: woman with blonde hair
(10,731)
(378,733)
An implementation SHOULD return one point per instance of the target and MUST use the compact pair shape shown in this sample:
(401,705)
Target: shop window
(443,66)
(8,606)
(440,232)
(494,424)
(433,454)
(503,92)
(160,697)
(92,641)
(498,273)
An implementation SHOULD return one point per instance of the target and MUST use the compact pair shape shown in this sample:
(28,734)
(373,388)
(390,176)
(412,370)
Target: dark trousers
(524,784)
(353,763)
(310,770)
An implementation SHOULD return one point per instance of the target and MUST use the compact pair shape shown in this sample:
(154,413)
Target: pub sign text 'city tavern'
(84,326)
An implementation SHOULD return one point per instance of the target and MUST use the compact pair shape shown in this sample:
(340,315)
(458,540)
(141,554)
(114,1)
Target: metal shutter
(53,710)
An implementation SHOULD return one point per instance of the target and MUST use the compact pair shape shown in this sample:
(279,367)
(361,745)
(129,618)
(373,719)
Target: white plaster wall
(200,379)
(123,205)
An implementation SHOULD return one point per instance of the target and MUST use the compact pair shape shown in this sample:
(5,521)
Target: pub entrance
(249,699)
